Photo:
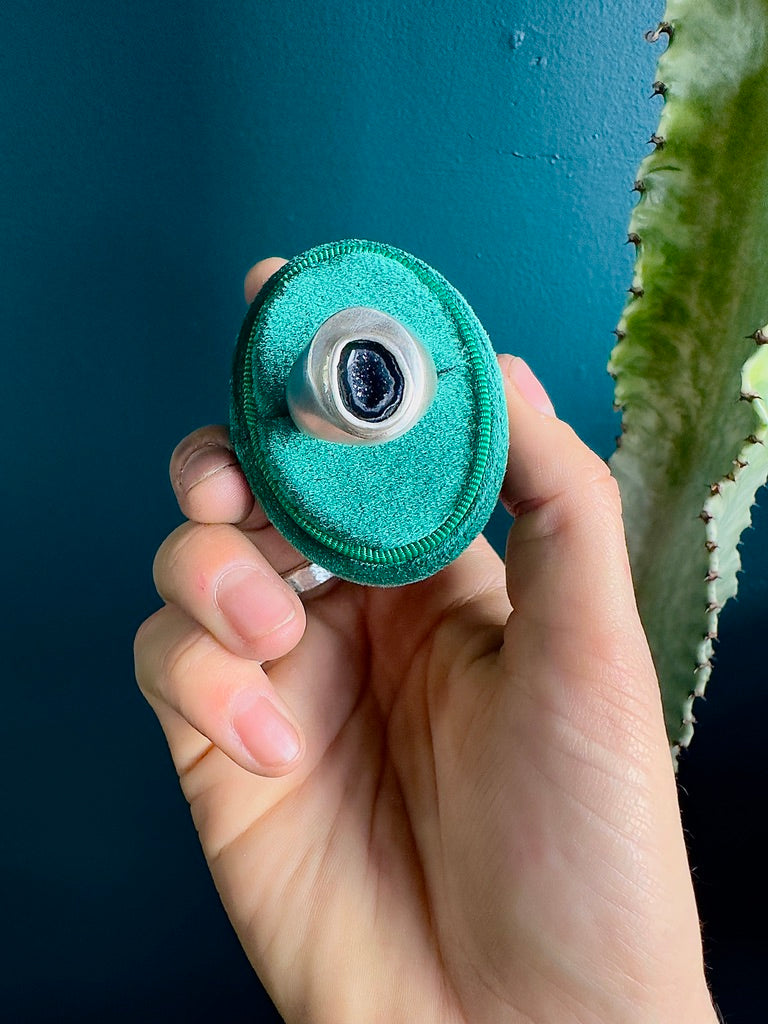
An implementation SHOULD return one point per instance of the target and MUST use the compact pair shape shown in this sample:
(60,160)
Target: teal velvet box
(382,514)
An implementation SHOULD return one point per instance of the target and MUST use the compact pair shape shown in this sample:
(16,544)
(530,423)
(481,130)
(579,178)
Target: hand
(418,804)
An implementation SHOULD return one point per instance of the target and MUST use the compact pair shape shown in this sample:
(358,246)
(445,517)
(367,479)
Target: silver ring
(363,379)
(307,576)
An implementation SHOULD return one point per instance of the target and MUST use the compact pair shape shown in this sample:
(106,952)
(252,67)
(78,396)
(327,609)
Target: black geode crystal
(371,382)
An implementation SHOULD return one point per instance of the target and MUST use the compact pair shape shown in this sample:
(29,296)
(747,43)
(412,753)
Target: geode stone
(371,382)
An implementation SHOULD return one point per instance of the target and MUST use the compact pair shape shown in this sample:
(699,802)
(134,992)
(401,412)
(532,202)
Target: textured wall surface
(150,152)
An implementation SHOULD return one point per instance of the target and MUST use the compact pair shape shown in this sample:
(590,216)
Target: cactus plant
(691,360)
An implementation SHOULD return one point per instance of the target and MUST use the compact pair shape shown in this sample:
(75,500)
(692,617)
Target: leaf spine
(654,34)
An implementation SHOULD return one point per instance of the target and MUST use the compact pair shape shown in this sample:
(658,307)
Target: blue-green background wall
(149,153)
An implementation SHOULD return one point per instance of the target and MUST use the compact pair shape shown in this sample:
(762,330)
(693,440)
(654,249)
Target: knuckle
(606,507)
(594,487)
(143,647)
(181,660)
(168,552)
(184,547)
(606,489)
(588,498)
(169,652)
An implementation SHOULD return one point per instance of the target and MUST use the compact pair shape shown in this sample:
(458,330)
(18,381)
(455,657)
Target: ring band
(307,576)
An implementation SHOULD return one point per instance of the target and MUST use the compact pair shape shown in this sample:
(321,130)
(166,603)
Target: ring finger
(190,680)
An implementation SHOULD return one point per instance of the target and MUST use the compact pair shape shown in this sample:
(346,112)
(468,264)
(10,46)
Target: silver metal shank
(322,402)
(307,576)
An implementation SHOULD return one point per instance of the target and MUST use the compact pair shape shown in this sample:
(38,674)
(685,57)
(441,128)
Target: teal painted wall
(150,152)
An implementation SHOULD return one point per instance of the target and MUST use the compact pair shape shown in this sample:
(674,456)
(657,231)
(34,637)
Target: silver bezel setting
(314,399)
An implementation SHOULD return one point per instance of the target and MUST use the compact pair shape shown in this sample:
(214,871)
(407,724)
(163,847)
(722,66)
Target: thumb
(567,564)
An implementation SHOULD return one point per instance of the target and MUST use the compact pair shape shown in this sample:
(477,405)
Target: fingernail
(253,605)
(530,387)
(266,734)
(204,462)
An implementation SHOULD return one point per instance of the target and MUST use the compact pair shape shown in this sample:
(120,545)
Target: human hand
(417,803)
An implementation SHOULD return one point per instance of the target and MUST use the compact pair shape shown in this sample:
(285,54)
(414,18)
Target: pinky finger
(186,674)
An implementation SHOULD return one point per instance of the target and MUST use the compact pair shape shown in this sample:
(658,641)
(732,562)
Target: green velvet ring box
(385,513)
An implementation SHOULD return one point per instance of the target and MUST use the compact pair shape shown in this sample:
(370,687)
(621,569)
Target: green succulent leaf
(688,378)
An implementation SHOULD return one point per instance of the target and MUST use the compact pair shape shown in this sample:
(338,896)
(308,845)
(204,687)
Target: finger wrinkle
(168,555)
(183,460)
(214,433)
(230,464)
(189,765)
(518,509)
(595,494)
(259,524)
(176,661)
(190,532)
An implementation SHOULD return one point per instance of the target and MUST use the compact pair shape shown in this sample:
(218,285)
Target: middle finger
(221,580)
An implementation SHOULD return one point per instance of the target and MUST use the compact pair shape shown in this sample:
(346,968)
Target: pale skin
(448,802)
